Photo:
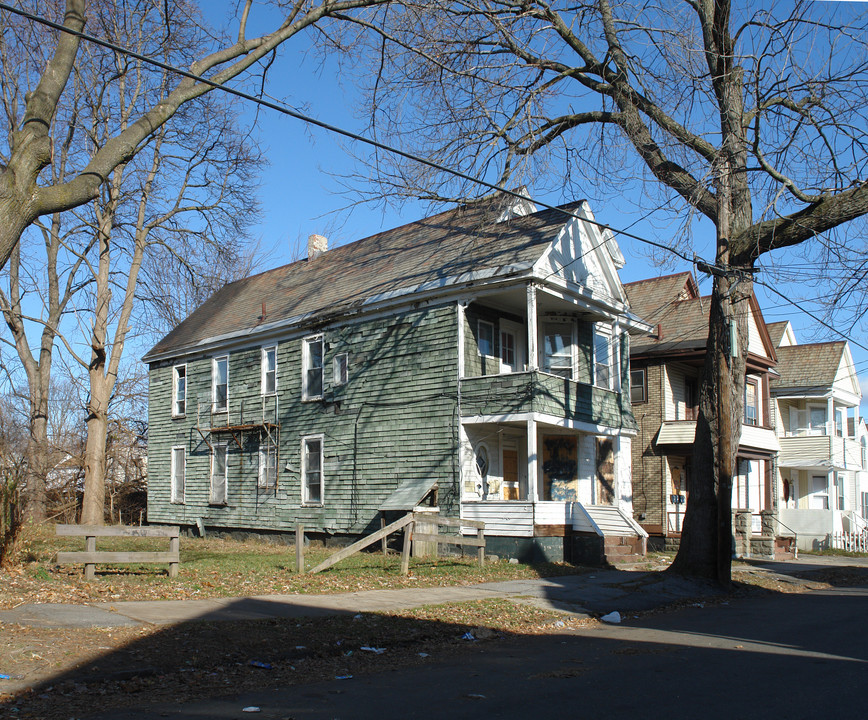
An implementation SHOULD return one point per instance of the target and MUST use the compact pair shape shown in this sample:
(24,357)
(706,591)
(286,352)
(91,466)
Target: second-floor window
(312,377)
(485,338)
(179,390)
(558,349)
(751,402)
(603,360)
(220,383)
(269,370)
(340,369)
(638,387)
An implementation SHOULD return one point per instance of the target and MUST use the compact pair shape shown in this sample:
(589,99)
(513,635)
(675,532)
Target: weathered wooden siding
(543,393)
(394,420)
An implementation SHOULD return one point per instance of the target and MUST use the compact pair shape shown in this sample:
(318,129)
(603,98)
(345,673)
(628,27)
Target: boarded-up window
(560,468)
(219,471)
(179,464)
(267,466)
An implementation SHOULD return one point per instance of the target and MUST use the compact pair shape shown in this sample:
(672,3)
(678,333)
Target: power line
(326,126)
(694,261)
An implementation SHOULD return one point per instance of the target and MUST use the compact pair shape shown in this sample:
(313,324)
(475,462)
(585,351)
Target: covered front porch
(548,489)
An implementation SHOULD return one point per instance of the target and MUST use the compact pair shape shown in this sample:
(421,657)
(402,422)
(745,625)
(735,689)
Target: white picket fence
(852,542)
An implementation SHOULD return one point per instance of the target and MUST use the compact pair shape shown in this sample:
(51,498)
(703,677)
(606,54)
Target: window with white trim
(179,469)
(220,383)
(312,368)
(269,370)
(267,466)
(819,499)
(485,338)
(603,360)
(340,369)
(311,470)
(751,402)
(179,390)
(219,474)
(558,348)
(638,387)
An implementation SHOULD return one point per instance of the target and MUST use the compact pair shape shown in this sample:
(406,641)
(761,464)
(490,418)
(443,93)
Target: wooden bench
(90,557)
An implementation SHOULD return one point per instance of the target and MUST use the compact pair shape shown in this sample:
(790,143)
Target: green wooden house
(474,363)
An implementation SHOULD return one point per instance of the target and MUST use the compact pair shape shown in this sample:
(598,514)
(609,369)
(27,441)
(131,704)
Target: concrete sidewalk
(589,594)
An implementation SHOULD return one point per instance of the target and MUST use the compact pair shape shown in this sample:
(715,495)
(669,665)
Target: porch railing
(850,541)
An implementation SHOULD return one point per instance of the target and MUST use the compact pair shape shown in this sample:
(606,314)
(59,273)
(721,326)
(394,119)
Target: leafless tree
(749,119)
(25,192)
(188,192)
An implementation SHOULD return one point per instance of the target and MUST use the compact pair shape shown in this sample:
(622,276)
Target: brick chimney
(316,246)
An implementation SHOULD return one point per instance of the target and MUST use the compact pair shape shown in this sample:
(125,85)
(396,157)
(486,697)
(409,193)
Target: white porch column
(532,462)
(532,333)
(460,334)
(830,416)
(616,354)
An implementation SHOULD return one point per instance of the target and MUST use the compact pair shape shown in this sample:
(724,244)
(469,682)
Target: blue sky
(301,192)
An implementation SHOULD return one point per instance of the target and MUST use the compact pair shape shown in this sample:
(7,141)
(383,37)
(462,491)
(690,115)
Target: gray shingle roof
(810,365)
(776,331)
(429,251)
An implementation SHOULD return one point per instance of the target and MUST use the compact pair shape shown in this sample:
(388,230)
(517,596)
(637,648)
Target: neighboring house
(471,362)
(665,370)
(823,443)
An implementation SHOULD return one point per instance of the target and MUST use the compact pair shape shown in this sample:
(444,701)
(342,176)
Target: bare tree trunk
(93,510)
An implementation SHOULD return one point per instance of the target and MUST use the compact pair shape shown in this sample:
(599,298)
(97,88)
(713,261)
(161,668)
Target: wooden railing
(91,557)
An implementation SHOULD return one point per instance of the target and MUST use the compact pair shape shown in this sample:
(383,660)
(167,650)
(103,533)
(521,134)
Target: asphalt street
(782,656)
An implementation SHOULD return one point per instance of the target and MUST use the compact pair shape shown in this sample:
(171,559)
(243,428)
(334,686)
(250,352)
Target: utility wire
(694,261)
(334,128)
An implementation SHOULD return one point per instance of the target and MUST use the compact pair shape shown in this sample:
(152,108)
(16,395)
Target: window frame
(307,368)
(175,401)
(177,491)
(268,451)
(265,372)
(341,369)
(213,499)
(643,386)
(305,490)
(489,326)
(754,383)
(605,334)
(547,365)
(215,362)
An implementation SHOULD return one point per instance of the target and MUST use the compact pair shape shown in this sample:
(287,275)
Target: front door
(510,474)
(605,472)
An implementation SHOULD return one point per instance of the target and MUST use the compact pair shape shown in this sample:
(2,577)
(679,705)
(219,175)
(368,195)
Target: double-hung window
(638,388)
(485,338)
(179,467)
(219,474)
(220,383)
(269,370)
(558,349)
(179,390)
(751,402)
(312,368)
(267,466)
(603,360)
(311,470)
